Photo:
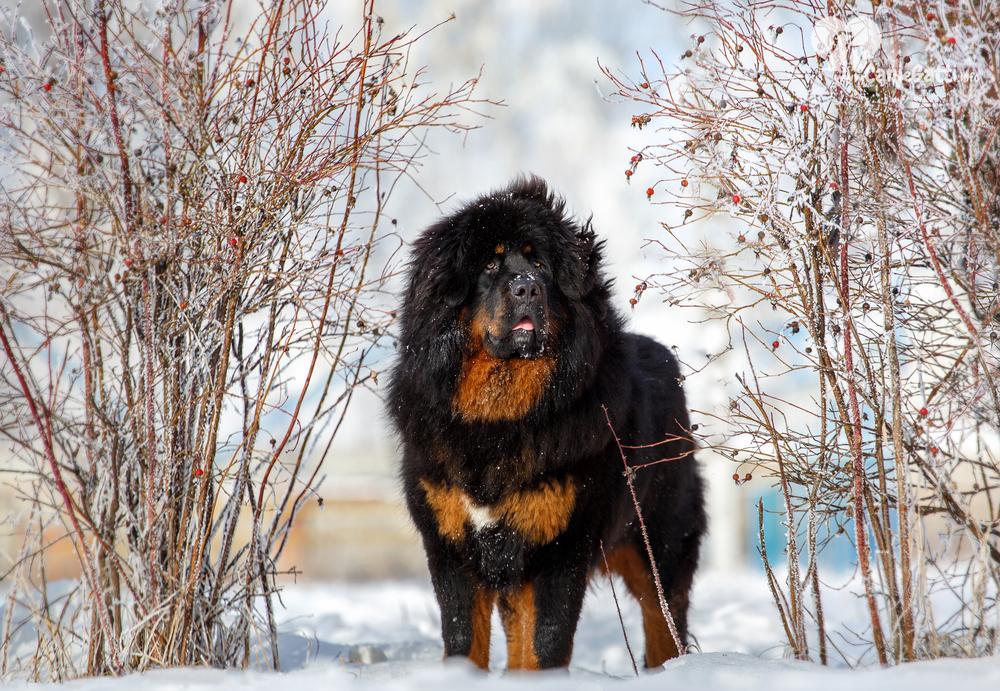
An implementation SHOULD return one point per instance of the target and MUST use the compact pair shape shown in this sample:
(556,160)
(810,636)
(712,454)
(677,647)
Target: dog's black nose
(525,287)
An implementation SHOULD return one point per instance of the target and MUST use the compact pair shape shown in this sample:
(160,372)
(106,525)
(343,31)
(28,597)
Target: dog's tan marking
(540,515)
(482,612)
(519,616)
(491,390)
(499,249)
(448,506)
(634,569)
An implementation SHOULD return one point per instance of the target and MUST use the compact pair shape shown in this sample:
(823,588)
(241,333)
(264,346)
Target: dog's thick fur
(511,471)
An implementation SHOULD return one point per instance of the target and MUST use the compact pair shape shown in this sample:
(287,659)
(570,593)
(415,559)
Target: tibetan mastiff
(513,378)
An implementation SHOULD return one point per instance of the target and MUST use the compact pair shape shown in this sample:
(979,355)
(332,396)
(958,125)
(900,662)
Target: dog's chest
(492,390)
(480,516)
(537,515)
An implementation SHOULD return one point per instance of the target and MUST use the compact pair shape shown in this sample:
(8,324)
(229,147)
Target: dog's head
(508,278)
(510,263)
(512,303)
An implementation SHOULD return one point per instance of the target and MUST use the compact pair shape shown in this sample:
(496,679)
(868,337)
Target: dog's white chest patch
(479,516)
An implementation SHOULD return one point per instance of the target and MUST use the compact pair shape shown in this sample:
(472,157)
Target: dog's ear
(454,284)
(437,266)
(454,288)
(577,273)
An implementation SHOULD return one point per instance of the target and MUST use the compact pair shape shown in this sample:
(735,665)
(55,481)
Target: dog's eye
(538,265)
(492,267)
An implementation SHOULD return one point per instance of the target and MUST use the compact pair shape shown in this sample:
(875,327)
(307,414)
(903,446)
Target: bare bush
(190,212)
(852,251)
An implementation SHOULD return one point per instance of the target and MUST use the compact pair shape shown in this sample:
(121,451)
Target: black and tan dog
(509,354)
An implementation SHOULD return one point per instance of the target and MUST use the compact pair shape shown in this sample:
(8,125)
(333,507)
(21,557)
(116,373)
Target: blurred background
(541,59)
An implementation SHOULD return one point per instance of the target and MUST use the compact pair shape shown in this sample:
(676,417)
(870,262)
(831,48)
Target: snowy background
(540,57)
(385,635)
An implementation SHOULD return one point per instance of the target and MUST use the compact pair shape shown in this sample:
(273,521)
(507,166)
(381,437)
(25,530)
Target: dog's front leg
(540,617)
(466,607)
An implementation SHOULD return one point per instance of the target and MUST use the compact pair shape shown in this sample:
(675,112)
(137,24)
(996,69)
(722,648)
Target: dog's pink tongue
(525,325)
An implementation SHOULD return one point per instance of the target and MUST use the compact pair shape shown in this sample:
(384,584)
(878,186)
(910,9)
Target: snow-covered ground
(385,636)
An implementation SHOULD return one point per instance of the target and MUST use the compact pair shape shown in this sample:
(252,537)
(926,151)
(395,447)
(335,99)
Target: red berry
(649,191)
(243,179)
(287,60)
(628,173)
(834,186)
(736,478)
(952,40)
(804,108)
(128,263)
(934,451)
(233,241)
(684,182)
(775,344)
(930,16)
(163,220)
(198,472)
(634,159)
(633,302)
(639,288)
(747,478)
(249,82)
(924,412)
(644,85)
(47,86)
(737,199)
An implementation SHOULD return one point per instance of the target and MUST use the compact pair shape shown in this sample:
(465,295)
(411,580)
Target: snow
(699,671)
(384,635)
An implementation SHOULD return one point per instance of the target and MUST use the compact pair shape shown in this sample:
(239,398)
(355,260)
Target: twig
(621,621)
(628,473)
